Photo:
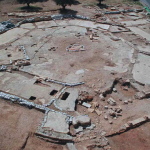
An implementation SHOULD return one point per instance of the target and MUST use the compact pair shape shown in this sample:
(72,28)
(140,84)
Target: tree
(100,2)
(64,3)
(28,2)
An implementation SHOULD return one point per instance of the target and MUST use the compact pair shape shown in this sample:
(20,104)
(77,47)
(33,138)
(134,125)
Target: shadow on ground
(102,6)
(68,11)
(76,2)
(31,8)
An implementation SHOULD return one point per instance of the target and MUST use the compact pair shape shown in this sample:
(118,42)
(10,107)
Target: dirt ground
(9,6)
(134,139)
(17,129)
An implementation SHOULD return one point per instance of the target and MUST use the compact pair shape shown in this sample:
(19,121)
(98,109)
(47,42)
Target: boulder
(106,117)
(111,101)
(125,102)
(110,122)
(82,120)
(114,90)
(130,101)
(112,113)
(102,98)
(98,112)
(106,107)
(118,110)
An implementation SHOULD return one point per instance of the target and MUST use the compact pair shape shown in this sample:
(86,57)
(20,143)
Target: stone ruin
(76,108)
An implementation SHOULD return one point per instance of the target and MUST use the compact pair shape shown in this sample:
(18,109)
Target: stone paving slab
(46,24)
(23,86)
(12,35)
(61,22)
(36,69)
(71,29)
(27,26)
(136,22)
(89,24)
(121,57)
(57,122)
(140,32)
(141,70)
(69,103)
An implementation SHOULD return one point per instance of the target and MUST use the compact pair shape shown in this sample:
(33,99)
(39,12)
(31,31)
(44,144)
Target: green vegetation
(147,9)
(92,4)
(100,2)
(30,8)
(137,2)
(28,2)
(64,3)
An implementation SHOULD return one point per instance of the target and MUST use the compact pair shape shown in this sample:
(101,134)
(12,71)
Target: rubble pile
(22,63)
(3,68)
(84,96)
(6,25)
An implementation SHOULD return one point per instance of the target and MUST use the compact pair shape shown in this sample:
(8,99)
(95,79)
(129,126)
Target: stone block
(91,110)
(98,112)
(111,101)
(138,121)
(86,105)
(81,120)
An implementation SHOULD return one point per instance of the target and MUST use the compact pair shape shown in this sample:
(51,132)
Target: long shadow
(102,6)
(76,2)
(31,9)
(68,11)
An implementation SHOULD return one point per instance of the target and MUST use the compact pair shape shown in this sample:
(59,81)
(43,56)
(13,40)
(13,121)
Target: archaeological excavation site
(76,77)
